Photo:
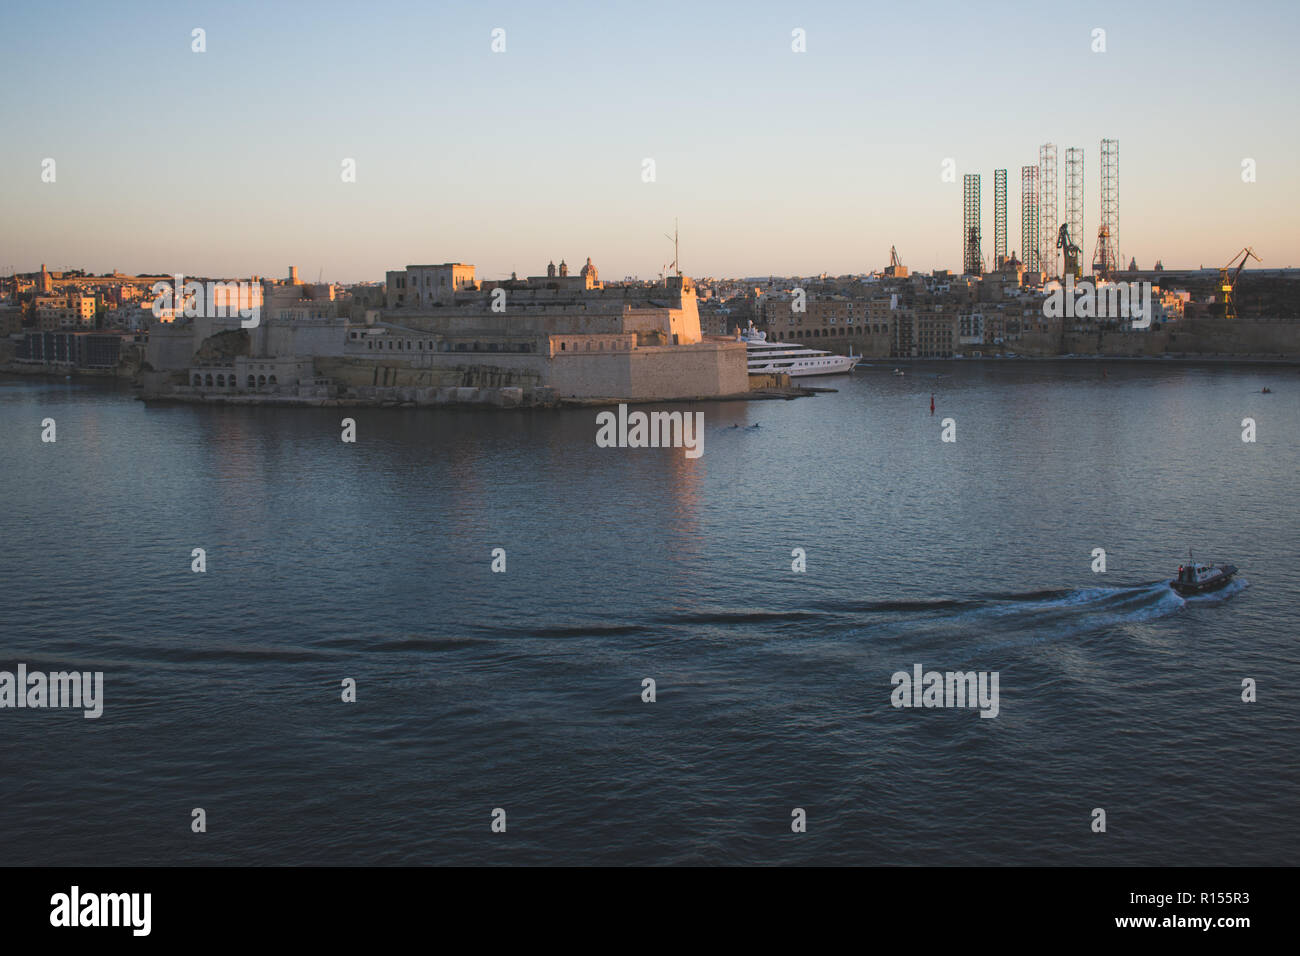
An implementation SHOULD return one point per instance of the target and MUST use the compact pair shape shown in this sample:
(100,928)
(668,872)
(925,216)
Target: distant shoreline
(293,401)
(796,389)
(41,371)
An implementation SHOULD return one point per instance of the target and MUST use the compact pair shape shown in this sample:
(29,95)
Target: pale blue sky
(228,162)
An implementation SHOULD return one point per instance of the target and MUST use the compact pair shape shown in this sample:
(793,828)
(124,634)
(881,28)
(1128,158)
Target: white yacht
(790,358)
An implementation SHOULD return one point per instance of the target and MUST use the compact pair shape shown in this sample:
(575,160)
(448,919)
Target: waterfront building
(837,323)
(423,286)
(99,350)
(937,332)
(970,329)
(64,311)
(245,374)
(11,319)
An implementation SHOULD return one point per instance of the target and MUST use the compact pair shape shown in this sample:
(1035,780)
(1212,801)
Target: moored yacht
(794,360)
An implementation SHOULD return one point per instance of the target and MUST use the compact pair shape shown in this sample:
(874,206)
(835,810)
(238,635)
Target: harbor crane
(895,267)
(1228,286)
(1071,251)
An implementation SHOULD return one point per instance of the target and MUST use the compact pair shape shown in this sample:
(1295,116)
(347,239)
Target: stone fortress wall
(567,336)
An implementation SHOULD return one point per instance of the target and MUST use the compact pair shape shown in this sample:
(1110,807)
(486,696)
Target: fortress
(438,336)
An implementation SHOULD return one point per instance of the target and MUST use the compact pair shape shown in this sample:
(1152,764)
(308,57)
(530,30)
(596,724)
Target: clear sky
(229,162)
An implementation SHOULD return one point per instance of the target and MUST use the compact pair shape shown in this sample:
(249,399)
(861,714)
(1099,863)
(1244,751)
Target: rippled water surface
(522,690)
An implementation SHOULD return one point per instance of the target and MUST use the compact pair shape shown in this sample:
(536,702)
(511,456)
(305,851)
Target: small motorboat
(1266,390)
(1197,578)
(898,371)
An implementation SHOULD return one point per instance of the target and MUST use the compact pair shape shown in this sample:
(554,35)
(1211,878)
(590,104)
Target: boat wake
(1233,587)
(957,627)
(1021,618)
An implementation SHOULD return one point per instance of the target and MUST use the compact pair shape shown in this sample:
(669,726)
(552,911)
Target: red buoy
(931,404)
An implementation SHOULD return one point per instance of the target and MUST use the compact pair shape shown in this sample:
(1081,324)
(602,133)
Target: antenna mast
(677,268)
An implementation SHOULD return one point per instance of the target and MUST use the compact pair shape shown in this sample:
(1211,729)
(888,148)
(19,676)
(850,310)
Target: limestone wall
(1206,336)
(707,369)
(557,344)
(437,370)
(1235,336)
(316,337)
(171,347)
(685,321)
(562,320)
